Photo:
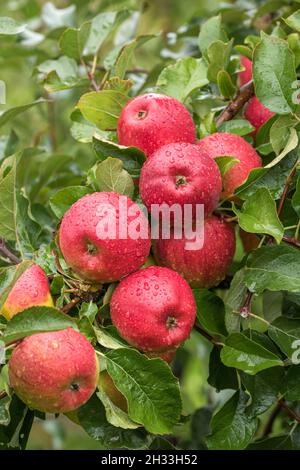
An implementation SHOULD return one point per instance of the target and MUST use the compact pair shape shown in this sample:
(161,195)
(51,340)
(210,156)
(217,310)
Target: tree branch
(287,187)
(291,241)
(207,336)
(5,251)
(3,395)
(269,426)
(244,95)
(292,414)
(246,307)
(70,305)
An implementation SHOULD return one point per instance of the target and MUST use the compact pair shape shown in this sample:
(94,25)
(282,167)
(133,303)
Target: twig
(246,307)
(291,241)
(52,121)
(134,70)
(244,95)
(90,75)
(5,251)
(287,187)
(70,305)
(208,336)
(289,410)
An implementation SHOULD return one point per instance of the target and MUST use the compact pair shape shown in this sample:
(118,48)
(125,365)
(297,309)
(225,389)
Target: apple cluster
(152,308)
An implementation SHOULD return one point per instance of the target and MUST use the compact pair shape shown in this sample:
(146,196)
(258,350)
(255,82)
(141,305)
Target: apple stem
(70,305)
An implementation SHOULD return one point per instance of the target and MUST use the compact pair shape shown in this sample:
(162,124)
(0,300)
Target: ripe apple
(152,120)
(100,256)
(223,144)
(54,372)
(255,112)
(108,386)
(181,173)
(31,289)
(153,309)
(250,241)
(204,267)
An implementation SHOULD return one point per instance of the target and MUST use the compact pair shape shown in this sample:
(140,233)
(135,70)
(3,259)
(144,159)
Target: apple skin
(30,290)
(223,144)
(181,173)
(108,386)
(245,75)
(153,309)
(207,266)
(54,372)
(250,241)
(152,120)
(112,259)
(255,112)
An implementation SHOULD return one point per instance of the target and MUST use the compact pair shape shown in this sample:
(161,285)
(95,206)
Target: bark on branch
(244,95)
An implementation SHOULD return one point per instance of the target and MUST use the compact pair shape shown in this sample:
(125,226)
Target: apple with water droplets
(153,309)
(152,120)
(54,372)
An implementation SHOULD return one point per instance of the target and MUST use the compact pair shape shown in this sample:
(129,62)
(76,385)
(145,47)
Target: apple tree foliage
(236,383)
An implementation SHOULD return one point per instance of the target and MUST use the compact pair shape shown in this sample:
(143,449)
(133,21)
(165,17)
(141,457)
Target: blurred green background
(165,16)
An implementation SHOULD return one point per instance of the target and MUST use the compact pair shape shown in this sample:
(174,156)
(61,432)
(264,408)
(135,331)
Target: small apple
(108,386)
(255,112)
(222,144)
(181,173)
(100,256)
(153,309)
(250,241)
(152,120)
(31,289)
(54,372)
(204,267)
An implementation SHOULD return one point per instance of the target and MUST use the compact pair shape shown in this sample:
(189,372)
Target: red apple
(181,173)
(203,267)
(222,144)
(31,289)
(96,255)
(152,120)
(54,372)
(255,112)
(153,309)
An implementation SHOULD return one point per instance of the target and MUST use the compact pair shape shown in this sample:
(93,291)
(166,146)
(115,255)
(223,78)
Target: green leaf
(4,411)
(273,178)
(226,86)
(102,108)
(264,389)
(273,87)
(292,384)
(92,418)
(259,215)
(218,54)
(11,113)
(247,355)
(150,388)
(280,134)
(210,311)
(211,31)
(107,340)
(125,55)
(36,320)
(293,21)
(131,157)
(221,377)
(231,428)
(61,201)
(9,26)
(183,78)
(296,198)
(73,40)
(274,268)
(8,198)
(61,74)
(110,175)
(225,163)
(237,126)
(115,415)
(234,301)
(285,332)
(101,27)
